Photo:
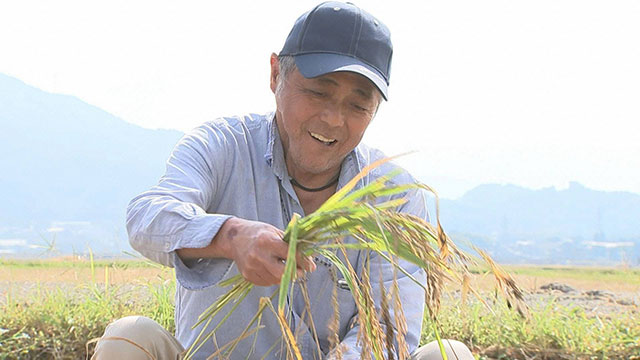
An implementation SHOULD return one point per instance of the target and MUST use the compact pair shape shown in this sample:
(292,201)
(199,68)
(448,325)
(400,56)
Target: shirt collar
(274,154)
(271,137)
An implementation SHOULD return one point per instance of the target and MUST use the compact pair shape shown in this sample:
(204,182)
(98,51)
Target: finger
(312,263)
(299,271)
(305,263)
(275,268)
(260,280)
(279,249)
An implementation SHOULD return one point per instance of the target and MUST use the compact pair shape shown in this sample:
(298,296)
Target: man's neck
(313,191)
(311,201)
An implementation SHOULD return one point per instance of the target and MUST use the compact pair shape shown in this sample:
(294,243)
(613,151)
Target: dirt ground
(531,283)
(592,294)
(22,283)
(80,275)
(125,275)
(595,296)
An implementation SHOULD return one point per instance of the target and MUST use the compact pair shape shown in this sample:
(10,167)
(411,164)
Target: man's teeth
(322,138)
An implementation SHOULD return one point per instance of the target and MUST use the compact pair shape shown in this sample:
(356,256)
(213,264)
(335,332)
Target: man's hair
(286,65)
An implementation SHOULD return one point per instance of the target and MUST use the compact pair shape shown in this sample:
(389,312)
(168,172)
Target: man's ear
(275,72)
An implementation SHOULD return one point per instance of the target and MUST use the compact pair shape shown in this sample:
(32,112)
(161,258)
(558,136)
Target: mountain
(576,224)
(69,169)
(67,162)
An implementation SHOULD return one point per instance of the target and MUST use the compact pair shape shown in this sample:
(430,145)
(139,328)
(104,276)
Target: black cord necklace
(329,184)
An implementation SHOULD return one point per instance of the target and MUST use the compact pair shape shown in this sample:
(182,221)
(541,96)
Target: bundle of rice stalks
(377,227)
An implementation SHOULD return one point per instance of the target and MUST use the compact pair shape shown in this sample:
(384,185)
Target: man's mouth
(322,139)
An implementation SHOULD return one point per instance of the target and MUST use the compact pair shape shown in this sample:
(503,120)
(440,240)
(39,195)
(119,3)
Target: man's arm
(171,215)
(169,223)
(256,247)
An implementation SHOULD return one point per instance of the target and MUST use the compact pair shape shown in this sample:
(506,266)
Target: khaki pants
(140,338)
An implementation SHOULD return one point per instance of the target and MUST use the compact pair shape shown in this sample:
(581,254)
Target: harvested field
(50,308)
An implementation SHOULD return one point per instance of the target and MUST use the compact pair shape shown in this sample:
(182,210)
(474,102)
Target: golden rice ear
(334,323)
(307,306)
(401,322)
(386,316)
(506,284)
(353,182)
(377,228)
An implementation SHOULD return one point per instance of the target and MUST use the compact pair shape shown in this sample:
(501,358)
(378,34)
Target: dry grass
(47,323)
(55,271)
(530,278)
(49,310)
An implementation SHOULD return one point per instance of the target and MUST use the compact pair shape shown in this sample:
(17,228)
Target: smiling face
(321,120)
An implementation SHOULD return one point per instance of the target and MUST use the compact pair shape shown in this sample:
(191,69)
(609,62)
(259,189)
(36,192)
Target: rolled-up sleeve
(172,214)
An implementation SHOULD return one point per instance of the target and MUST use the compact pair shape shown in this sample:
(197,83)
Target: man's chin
(314,168)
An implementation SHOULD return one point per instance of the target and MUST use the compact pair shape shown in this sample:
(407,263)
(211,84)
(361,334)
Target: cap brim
(317,64)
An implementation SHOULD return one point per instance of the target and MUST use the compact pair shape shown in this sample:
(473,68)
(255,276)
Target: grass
(553,331)
(599,274)
(55,321)
(71,263)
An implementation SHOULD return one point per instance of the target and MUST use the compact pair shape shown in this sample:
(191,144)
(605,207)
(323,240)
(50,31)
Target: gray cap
(337,36)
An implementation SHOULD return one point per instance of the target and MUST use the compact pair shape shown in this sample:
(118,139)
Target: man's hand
(256,247)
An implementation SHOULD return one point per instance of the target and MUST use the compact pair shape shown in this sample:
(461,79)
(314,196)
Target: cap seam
(353,46)
(306,25)
(388,72)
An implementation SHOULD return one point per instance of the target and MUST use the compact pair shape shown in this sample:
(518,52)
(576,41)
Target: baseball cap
(336,36)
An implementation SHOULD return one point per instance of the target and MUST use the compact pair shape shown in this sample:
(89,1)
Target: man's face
(321,120)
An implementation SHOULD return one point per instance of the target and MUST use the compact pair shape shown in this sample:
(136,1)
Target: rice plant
(377,227)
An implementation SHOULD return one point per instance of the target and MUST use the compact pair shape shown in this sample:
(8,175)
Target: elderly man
(232,185)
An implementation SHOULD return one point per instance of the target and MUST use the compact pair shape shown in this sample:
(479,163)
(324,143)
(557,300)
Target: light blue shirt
(235,167)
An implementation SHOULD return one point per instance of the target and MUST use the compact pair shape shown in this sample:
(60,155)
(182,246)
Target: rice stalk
(386,318)
(369,216)
(307,304)
(290,341)
(334,323)
(373,333)
(401,323)
(228,348)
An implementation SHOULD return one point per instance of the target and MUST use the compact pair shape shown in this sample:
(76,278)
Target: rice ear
(386,317)
(334,323)
(377,228)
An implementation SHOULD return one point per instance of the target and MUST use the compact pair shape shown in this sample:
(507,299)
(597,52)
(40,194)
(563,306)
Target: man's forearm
(219,247)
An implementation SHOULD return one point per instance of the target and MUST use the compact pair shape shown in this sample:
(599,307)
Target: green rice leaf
(290,264)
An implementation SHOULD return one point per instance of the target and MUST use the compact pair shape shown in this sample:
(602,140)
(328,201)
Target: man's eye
(359,108)
(315,93)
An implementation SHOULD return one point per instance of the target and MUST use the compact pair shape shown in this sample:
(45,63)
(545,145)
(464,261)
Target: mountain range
(575,225)
(65,161)
(70,168)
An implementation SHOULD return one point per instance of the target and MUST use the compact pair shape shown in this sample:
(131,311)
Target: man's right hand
(256,247)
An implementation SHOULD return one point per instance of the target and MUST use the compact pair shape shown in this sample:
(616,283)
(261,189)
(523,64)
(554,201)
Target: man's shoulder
(231,130)
(239,124)
(226,135)
(367,155)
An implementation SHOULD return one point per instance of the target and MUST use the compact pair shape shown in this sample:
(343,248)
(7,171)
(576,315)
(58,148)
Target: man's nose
(333,115)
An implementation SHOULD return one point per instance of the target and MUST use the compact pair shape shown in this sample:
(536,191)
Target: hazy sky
(535,93)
